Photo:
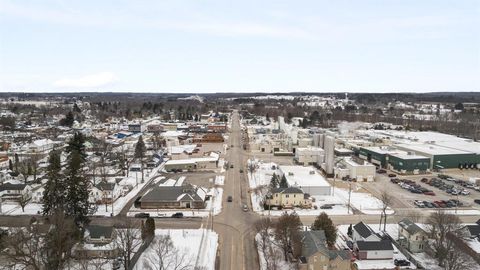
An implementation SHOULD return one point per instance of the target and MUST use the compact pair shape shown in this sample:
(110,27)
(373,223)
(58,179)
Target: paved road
(234,226)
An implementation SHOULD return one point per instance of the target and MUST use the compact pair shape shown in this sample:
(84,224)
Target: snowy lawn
(195,248)
(276,255)
(14,209)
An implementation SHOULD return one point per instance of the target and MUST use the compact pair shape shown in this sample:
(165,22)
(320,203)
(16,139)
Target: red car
(430,193)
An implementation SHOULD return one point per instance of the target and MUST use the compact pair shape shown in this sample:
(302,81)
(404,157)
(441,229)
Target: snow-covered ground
(276,253)
(14,209)
(199,248)
(214,206)
(362,201)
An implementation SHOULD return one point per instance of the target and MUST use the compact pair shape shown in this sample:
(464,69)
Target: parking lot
(431,190)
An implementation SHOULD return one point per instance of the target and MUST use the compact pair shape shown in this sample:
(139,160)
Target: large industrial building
(417,152)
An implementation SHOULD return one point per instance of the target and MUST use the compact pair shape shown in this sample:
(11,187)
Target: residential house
(411,236)
(362,232)
(369,245)
(174,197)
(288,198)
(13,191)
(374,250)
(105,192)
(315,254)
(99,242)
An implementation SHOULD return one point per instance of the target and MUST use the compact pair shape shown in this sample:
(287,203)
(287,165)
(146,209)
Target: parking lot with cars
(427,191)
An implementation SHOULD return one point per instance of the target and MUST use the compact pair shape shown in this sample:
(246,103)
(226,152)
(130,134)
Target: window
(286,196)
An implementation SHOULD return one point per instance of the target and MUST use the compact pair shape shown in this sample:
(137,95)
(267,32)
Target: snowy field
(275,253)
(196,248)
(214,206)
(364,202)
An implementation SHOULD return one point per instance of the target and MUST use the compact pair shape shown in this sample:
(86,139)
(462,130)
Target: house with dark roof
(471,231)
(411,236)
(374,250)
(98,242)
(105,192)
(316,255)
(288,198)
(174,197)
(14,191)
(362,232)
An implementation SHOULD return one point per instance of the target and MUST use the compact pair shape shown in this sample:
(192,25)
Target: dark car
(392,175)
(424,180)
(350,244)
(241,171)
(177,215)
(477,201)
(229,199)
(381,171)
(326,206)
(398,262)
(142,215)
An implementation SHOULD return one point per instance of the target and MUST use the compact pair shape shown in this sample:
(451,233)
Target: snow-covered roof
(303,176)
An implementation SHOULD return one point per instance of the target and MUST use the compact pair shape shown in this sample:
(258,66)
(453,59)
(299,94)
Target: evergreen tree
(350,230)
(140,150)
(283,182)
(323,222)
(54,194)
(10,165)
(274,181)
(149,229)
(77,185)
(17,161)
(68,120)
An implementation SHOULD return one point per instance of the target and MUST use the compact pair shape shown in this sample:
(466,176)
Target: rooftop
(303,176)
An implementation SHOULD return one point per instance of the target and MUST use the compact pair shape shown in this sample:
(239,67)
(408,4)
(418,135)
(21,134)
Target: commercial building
(309,155)
(400,161)
(356,168)
(306,178)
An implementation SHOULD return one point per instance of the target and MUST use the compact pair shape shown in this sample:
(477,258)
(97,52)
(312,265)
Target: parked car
(381,171)
(477,201)
(177,215)
(424,180)
(229,199)
(326,206)
(419,203)
(142,215)
(392,175)
(429,193)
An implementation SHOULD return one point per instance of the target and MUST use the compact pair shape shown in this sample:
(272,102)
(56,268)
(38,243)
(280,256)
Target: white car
(465,192)
(419,203)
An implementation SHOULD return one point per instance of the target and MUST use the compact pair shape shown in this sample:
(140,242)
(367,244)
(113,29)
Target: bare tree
(128,241)
(287,234)
(440,225)
(414,216)
(456,259)
(23,248)
(166,256)
(386,200)
(264,236)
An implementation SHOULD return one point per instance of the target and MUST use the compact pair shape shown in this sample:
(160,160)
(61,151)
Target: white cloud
(88,81)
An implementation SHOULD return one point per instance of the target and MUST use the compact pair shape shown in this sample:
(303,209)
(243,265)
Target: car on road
(229,199)
(326,206)
(177,215)
(381,171)
(477,201)
(401,262)
(142,215)
(241,170)
(245,208)
(231,166)
(392,175)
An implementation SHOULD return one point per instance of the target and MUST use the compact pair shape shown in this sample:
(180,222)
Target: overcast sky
(246,46)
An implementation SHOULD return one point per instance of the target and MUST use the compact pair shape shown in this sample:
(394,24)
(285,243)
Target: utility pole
(349,195)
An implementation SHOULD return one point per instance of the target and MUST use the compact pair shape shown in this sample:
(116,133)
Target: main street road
(234,226)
